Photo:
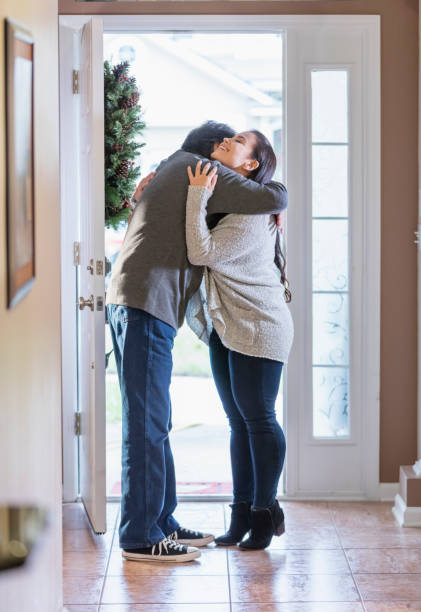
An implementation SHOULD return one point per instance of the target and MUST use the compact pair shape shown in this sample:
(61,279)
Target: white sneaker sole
(189,556)
(202,542)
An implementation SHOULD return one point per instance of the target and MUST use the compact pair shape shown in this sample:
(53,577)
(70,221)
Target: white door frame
(69,196)
(334,459)
(372,196)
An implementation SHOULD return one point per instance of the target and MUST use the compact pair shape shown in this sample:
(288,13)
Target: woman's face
(237,152)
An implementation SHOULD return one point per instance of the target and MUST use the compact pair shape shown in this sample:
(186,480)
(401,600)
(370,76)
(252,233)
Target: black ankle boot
(240,524)
(265,523)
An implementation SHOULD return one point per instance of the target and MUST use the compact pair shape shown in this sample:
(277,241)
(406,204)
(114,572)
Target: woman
(251,336)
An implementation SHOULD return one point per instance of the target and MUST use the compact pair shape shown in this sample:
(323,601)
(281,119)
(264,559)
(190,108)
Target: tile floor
(334,557)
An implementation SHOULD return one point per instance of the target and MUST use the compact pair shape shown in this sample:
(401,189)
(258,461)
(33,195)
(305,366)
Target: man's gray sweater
(152,271)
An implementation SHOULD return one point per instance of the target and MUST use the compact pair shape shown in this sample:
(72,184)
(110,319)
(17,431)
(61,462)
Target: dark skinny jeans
(248,387)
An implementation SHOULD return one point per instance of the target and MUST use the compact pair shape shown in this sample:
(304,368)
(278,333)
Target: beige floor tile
(287,562)
(362,514)
(210,563)
(166,589)
(74,517)
(389,587)
(79,590)
(392,606)
(293,588)
(299,537)
(324,606)
(86,539)
(384,560)
(84,563)
(166,608)
(380,537)
(306,513)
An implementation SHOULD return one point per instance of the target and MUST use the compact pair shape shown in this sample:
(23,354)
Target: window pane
(330,255)
(330,402)
(329,105)
(330,329)
(330,181)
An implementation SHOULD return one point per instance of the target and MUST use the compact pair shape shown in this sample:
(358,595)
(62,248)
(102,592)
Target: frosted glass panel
(330,181)
(330,402)
(330,255)
(329,105)
(330,329)
(329,89)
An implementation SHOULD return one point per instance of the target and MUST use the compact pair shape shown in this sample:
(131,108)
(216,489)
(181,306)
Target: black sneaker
(167,550)
(190,537)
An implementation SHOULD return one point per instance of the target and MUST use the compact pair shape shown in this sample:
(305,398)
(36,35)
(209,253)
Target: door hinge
(75,81)
(78,420)
(76,253)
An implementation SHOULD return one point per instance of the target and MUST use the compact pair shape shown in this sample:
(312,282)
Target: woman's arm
(205,247)
(200,246)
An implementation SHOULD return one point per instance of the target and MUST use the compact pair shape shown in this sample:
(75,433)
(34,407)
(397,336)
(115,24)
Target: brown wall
(399,41)
(30,371)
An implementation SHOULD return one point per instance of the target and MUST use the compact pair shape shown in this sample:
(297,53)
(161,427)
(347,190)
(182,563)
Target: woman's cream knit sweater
(244,299)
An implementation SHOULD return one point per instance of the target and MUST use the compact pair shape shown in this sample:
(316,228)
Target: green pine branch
(123,124)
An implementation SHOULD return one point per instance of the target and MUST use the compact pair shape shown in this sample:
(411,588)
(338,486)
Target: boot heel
(280,529)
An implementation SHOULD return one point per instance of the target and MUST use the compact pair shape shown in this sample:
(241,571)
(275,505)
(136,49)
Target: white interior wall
(30,376)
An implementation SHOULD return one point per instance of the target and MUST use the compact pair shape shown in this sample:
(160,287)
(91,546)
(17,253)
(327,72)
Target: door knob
(89,303)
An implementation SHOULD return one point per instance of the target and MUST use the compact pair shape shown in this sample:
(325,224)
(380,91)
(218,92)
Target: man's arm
(236,194)
(233,192)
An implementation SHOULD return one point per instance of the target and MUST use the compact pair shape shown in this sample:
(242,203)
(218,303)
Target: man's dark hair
(201,140)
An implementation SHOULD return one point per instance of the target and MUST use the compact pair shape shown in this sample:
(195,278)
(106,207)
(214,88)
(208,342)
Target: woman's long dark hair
(265,155)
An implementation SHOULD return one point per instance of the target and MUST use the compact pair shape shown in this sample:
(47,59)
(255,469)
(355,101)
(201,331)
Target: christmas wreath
(122,124)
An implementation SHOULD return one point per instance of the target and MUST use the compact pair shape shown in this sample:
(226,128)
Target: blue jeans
(248,387)
(142,346)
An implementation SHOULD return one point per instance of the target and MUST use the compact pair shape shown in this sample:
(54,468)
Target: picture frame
(20,206)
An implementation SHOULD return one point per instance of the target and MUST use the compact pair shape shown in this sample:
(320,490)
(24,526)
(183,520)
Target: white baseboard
(388,491)
(406,516)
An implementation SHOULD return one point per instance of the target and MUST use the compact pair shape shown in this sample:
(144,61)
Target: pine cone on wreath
(123,169)
(131,101)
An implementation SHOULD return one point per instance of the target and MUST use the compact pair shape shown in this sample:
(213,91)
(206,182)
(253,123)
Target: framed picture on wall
(19,162)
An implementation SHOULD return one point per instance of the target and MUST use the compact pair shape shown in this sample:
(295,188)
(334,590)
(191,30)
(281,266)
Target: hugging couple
(213,221)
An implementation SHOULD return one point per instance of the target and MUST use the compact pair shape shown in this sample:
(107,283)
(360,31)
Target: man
(151,285)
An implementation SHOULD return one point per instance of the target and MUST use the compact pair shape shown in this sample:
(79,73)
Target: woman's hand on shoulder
(203,177)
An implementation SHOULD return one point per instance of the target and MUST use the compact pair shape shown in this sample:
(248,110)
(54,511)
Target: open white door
(82,245)
(91,336)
